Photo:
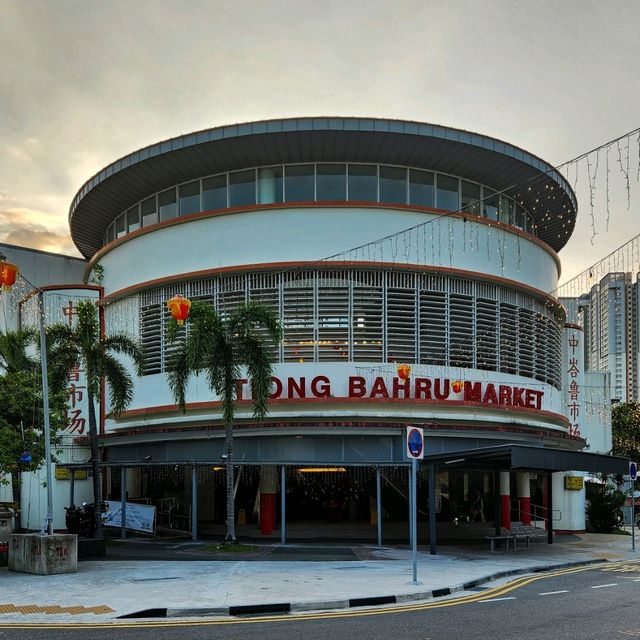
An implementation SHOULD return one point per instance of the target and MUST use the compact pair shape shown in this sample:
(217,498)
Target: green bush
(605,508)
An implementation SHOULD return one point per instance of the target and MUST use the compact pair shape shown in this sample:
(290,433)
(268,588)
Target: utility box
(43,555)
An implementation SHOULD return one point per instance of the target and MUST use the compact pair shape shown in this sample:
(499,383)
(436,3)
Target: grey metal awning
(520,457)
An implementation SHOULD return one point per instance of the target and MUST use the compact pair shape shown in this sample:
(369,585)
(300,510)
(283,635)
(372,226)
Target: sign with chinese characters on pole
(574,378)
(60,306)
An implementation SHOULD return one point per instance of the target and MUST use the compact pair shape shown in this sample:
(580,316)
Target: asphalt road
(581,604)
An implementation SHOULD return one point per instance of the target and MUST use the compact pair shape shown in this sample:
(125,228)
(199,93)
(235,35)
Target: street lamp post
(45,409)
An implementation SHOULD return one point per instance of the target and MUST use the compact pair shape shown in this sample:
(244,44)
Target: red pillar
(524,496)
(505,499)
(268,495)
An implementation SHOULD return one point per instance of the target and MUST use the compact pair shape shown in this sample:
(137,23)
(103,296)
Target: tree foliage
(21,405)
(98,356)
(625,427)
(604,508)
(219,348)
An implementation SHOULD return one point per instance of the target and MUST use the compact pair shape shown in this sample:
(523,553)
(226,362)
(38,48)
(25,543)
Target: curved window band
(321,182)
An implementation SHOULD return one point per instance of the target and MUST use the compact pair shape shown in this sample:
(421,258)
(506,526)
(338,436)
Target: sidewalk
(105,590)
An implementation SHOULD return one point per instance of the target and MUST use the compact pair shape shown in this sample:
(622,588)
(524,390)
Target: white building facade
(378,243)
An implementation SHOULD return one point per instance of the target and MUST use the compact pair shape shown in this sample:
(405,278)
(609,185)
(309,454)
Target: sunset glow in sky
(84,82)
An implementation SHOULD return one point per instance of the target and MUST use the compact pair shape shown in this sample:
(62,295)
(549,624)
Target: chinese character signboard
(574,378)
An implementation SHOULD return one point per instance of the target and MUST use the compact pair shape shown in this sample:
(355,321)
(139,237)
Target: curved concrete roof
(542,190)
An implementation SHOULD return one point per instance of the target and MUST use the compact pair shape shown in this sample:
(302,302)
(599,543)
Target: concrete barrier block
(43,555)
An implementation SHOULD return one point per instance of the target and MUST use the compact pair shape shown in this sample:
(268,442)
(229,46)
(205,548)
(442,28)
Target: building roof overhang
(541,189)
(527,458)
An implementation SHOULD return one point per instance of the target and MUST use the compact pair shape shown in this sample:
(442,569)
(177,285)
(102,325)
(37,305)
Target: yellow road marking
(299,617)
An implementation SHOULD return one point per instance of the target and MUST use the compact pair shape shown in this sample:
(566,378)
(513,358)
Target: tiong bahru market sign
(411,388)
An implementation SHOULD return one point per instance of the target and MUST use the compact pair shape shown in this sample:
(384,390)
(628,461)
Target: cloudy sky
(83,82)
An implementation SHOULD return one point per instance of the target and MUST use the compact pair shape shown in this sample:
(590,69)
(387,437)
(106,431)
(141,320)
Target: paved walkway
(106,590)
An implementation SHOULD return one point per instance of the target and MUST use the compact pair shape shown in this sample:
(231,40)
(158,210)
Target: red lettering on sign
(490,396)
(441,388)
(321,387)
(517,397)
(357,387)
(404,386)
(472,391)
(422,388)
(298,388)
(278,389)
(379,389)
(504,393)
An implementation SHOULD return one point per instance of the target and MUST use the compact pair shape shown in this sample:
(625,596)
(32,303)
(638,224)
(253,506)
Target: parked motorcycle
(82,520)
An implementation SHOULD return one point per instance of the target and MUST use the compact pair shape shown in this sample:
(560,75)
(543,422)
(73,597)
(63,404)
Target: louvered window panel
(461,330)
(298,305)
(334,315)
(434,327)
(401,325)
(526,343)
(367,325)
(333,323)
(487,334)
(151,337)
(231,295)
(541,350)
(265,290)
(508,338)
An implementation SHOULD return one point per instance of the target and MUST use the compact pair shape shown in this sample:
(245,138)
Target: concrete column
(524,496)
(123,503)
(283,504)
(194,503)
(505,500)
(268,496)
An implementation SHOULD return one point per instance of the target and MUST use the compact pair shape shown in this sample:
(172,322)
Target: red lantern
(8,275)
(457,386)
(179,308)
(404,371)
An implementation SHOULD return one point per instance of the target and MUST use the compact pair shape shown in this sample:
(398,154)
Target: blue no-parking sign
(633,470)
(415,443)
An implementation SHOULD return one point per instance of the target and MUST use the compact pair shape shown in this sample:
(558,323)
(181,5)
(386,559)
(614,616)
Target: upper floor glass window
(242,188)
(121,226)
(490,204)
(448,193)
(167,205)
(421,190)
(214,192)
(149,211)
(133,219)
(324,182)
(189,198)
(393,184)
(331,182)
(471,197)
(363,182)
(299,183)
(269,185)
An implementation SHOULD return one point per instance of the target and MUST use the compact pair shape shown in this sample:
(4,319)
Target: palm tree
(220,348)
(95,355)
(14,347)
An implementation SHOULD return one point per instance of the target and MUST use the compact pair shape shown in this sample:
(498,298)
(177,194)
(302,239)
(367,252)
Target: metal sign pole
(633,474)
(633,518)
(414,519)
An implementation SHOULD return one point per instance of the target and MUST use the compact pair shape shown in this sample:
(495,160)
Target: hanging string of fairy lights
(625,259)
